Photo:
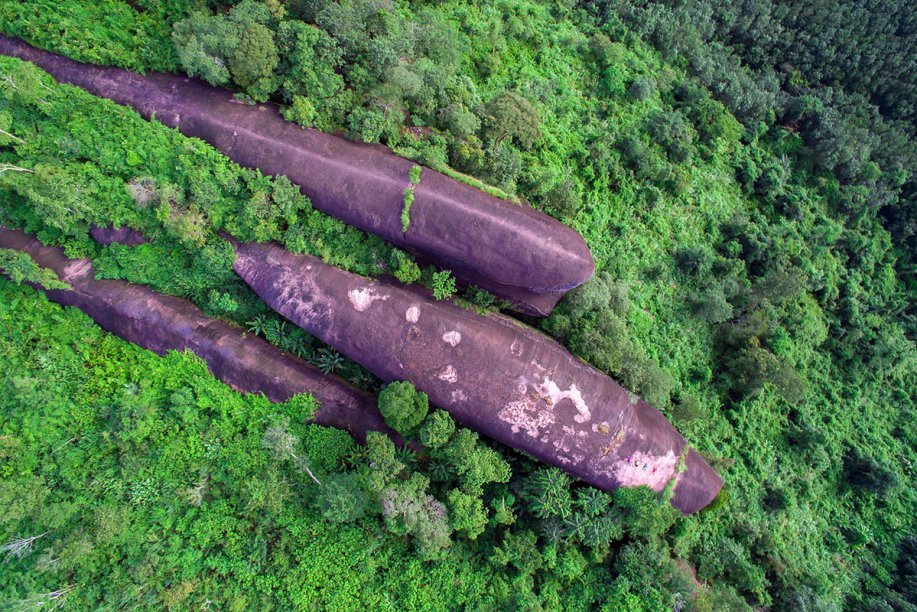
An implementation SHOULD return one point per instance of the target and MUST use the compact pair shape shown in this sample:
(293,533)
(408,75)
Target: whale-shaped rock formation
(163,323)
(492,373)
(511,250)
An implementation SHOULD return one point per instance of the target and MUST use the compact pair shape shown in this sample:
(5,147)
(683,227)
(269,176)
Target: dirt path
(491,373)
(511,250)
(163,323)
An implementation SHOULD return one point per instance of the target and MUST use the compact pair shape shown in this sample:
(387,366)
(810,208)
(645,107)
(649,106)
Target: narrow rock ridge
(514,251)
(163,323)
(491,373)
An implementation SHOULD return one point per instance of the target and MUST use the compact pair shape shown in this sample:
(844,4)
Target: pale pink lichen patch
(567,456)
(362,298)
(654,471)
(549,389)
(77,268)
(412,314)
(449,374)
(452,338)
(526,415)
(574,432)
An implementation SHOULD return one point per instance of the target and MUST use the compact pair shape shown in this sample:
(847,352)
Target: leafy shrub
(443,284)
(403,267)
(20,268)
(467,514)
(509,116)
(403,407)
(342,499)
(437,429)
(673,132)
(642,88)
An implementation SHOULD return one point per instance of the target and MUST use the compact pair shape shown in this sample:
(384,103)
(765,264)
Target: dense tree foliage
(842,74)
(402,407)
(130,479)
(745,187)
(20,268)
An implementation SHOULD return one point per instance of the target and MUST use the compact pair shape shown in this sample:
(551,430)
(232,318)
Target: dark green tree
(467,514)
(253,60)
(437,429)
(866,473)
(343,498)
(511,117)
(403,407)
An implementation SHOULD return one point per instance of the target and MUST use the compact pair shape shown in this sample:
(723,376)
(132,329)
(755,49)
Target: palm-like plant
(328,360)
(258,325)
(548,493)
(275,331)
(440,471)
(406,456)
(592,501)
(553,531)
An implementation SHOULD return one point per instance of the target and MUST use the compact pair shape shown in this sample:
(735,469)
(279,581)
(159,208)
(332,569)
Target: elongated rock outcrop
(511,250)
(492,373)
(162,323)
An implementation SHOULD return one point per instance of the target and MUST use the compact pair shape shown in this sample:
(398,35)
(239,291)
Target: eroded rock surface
(513,251)
(492,373)
(162,323)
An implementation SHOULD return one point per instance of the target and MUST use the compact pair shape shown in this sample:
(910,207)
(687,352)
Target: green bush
(403,407)
(20,268)
(437,429)
(443,284)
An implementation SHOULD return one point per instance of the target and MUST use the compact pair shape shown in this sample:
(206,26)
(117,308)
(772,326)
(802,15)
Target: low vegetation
(409,198)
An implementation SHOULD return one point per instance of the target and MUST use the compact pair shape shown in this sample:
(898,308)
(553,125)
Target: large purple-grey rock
(512,250)
(492,373)
(122,235)
(164,323)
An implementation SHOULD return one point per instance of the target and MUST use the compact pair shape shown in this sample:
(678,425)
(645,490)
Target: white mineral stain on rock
(549,389)
(412,314)
(361,299)
(452,337)
(526,415)
(449,374)
(295,297)
(77,269)
(515,348)
(654,471)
